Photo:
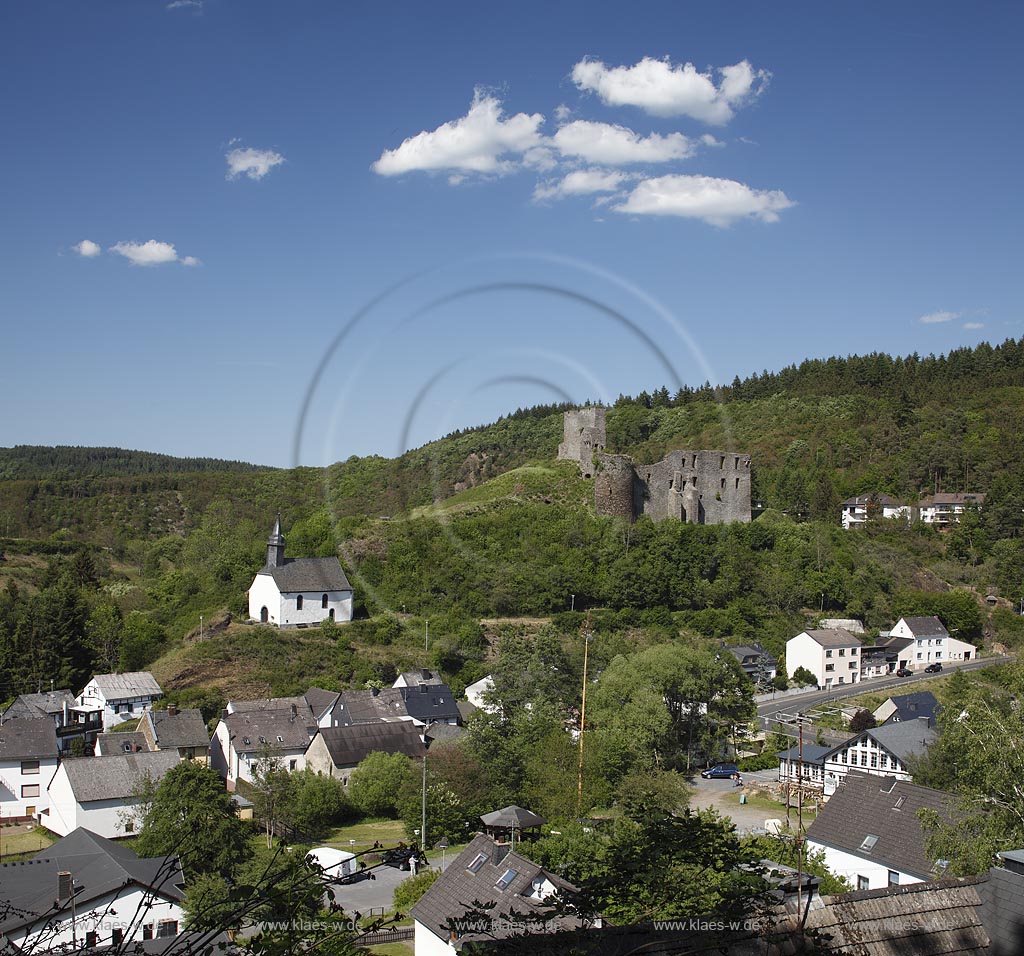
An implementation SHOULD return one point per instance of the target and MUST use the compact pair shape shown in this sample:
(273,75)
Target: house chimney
(927,721)
(64,886)
(172,710)
(374,691)
(295,711)
(64,711)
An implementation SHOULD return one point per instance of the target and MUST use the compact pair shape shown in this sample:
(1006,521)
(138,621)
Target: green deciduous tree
(189,813)
(374,785)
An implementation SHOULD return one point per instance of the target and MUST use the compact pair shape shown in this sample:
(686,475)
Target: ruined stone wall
(699,487)
(583,437)
(615,487)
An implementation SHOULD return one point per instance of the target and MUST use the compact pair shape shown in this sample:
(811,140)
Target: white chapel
(298,592)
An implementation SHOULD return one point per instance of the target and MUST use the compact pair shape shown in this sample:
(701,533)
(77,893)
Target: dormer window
(506,878)
(478,861)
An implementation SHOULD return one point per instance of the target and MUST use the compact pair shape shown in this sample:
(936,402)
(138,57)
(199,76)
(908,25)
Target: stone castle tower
(583,437)
(696,487)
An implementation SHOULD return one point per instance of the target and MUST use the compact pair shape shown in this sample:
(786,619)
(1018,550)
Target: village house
(87,892)
(321,704)
(100,793)
(832,655)
(120,697)
(934,644)
(475,694)
(760,666)
(108,745)
(71,721)
(886,751)
(28,761)
(337,751)
(858,510)
(427,703)
(243,739)
(415,678)
(870,833)
(908,707)
(885,657)
(486,870)
(803,767)
(298,592)
(942,510)
(181,730)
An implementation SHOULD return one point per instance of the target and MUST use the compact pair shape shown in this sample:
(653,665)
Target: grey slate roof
(320,701)
(308,574)
(184,729)
(833,637)
(363,706)
(115,777)
(813,753)
(926,627)
(1002,910)
(750,653)
(123,686)
(251,731)
(349,745)
(422,676)
(912,706)
(431,702)
(99,866)
(47,704)
(905,739)
(866,805)
(111,744)
(300,704)
(28,739)
(453,892)
(920,919)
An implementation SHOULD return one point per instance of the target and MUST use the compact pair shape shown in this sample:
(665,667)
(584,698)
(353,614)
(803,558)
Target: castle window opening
(737,463)
(721,461)
(723,482)
(737,482)
(298,603)
(323,601)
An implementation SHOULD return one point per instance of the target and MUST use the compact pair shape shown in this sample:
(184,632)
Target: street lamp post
(442,846)
(426,635)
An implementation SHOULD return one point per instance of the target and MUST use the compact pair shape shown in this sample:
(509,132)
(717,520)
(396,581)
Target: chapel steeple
(275,546)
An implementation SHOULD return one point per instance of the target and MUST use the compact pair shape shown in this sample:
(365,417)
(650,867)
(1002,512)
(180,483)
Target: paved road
(803,702)
(723,796)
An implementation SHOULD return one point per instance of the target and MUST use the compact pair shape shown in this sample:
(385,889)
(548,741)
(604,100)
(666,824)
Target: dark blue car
(720,770)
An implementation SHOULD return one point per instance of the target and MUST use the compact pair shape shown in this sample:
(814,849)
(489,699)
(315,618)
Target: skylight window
(899,803)
(478,861)
(507,877)
(869,843)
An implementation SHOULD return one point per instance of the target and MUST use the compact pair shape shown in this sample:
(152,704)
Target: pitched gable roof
(28,739)
(867,806)
(349,745)
(430,702)
(278,730)
(486,871)
(109,744)
(912,706)
(100,866)
(115,777)
(905,739)
(363,706)
(121,686)
(308,574)
(47,704)
(833,637)
(320,701)
(926,626)
(186,728)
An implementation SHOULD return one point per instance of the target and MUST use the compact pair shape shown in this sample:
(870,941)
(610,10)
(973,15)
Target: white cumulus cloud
(185,4)
(665,89)
(974,326)
(581,182)
(87,248)
(934,318)
(190,261)
(254,163)
(479,142)
(151,253)
(716,201)
(617,145)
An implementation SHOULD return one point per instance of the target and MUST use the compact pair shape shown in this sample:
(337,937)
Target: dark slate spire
(275,545)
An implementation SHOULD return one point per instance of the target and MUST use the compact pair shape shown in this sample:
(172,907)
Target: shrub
(408,892)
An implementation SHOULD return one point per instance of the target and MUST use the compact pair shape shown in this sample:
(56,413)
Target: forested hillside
(484,523)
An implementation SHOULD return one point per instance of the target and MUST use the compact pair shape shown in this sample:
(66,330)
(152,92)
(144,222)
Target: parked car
(902,672)
(399,857)
(720,770)
(933,668)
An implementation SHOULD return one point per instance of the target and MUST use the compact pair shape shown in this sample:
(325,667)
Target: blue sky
(455,209)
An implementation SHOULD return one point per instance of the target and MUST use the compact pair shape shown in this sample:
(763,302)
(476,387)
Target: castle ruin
(697,487)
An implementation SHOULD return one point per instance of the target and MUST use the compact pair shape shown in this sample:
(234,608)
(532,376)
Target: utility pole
(426,635)
(583,717)
(573,606)
(423,817)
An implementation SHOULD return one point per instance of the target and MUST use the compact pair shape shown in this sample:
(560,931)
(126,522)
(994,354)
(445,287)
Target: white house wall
(850,867)
(426,943)
(127,909)
(94,698)
(283,611)
(13,783)
(264,593)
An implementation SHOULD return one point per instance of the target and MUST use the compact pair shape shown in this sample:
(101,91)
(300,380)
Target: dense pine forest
(109,558)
